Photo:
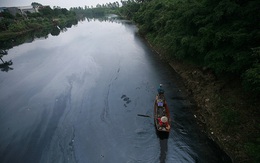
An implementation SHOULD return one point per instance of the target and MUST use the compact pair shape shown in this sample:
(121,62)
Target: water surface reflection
(75,96)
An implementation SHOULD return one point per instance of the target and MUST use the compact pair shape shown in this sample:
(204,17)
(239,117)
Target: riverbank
(228,113)
(48,24)
(13,25)
(8,34)
(224,112)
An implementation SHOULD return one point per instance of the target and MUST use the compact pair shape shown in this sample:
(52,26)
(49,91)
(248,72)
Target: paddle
(142,115)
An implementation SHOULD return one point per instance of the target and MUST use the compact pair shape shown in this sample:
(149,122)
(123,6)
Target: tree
(46,11)
(35,4)
(218,34)
(7,15)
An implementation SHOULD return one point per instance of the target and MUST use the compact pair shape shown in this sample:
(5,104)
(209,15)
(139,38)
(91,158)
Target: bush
(17,27)
(229,117)
(4,24)
(251,79)
(34,25)
(253,150)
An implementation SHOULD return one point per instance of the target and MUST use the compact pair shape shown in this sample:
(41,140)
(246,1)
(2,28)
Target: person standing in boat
(160,89)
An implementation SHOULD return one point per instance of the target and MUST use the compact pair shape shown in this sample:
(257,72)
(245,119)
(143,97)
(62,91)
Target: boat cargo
(162,118)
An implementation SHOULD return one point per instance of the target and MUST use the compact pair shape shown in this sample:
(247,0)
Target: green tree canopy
(218,34)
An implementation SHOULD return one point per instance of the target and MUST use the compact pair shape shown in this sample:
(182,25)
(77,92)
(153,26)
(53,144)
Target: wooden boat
(162,119)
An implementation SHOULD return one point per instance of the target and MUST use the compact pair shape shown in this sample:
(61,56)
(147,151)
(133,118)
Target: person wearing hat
(163,121)
(160,90)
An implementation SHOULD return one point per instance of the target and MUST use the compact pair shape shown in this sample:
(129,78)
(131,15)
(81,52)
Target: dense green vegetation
(222,35)
(10,25)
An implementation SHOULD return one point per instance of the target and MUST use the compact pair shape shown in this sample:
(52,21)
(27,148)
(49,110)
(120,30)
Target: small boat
(162,119)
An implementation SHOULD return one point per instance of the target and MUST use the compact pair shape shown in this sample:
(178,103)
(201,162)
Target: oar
(142,115)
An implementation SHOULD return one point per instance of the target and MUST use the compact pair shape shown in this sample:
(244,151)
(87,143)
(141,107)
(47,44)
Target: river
(75,97)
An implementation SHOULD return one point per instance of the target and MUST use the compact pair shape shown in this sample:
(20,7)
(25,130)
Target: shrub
(251,79)
(229,117)
(253,150)
(17,27)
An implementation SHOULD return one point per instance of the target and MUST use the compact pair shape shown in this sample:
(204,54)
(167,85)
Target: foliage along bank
(11,26)
(98,11)
(222,35)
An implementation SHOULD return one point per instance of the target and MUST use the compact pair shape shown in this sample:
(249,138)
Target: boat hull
(162,118)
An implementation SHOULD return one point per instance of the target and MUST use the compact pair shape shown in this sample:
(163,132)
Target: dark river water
(75,98)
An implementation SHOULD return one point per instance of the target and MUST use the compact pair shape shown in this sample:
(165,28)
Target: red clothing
(161,123)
